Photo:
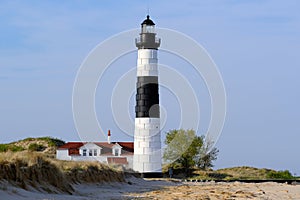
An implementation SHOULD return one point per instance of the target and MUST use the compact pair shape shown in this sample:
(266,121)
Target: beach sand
(136,188)
(230,191)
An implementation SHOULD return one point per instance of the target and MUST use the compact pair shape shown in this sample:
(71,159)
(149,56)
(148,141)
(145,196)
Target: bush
(15,148)
(10,147)
(3,147)
(279,175)
(27,139)
(36,147)
(52,142)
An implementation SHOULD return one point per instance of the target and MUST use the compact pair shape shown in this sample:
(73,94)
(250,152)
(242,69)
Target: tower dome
(148,21)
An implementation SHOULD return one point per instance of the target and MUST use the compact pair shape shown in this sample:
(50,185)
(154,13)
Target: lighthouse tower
(147,141)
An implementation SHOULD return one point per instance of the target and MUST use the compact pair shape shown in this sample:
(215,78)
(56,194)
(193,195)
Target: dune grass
(36,170)
(43,144)
(234,173)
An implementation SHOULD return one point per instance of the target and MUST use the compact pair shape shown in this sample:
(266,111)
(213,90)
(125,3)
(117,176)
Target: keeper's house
(120,153)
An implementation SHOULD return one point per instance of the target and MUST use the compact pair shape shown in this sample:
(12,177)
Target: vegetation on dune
(30,163)
(52,142)
(7,147)
(235,173)
(279,175)
(46,144)
(244,172)
(35,170)
(36,147)
(252,173)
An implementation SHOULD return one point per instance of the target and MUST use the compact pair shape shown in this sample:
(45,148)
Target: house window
(117,152)
(90,152)
(84,152)
(95,152)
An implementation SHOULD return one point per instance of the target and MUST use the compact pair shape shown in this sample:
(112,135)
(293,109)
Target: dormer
(90,149)
(116,150)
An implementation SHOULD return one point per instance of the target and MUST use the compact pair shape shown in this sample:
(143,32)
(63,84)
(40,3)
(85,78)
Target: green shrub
(3,147)
(52,142)
(27,139)
(11,147)
(279,175)
(15,148)
(36,147)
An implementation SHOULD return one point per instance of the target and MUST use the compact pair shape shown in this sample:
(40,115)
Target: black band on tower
(147,98)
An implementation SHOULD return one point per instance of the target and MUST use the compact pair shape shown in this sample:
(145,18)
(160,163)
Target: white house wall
(102,159)
(63,154)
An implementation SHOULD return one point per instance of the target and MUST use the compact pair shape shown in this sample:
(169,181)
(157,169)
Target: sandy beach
(232,191)
(136,188)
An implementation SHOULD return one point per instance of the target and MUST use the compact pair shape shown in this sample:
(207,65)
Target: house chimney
(108,137)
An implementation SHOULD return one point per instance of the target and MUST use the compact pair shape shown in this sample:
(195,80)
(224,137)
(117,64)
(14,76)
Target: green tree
(207,155)
(206,158)
(182,148)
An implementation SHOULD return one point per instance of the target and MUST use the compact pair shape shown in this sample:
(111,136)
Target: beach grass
(37,170)
(233,173)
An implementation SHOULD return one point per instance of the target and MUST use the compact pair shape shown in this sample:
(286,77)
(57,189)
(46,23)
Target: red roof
(127,146)
(73,147)
(104,144)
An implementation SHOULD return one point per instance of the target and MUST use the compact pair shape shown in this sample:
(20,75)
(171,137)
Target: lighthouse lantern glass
(148,28)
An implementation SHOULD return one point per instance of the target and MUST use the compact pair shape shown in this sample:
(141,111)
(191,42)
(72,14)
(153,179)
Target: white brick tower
(147,141)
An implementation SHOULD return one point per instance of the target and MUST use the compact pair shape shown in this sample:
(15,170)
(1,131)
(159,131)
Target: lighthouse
(147,139)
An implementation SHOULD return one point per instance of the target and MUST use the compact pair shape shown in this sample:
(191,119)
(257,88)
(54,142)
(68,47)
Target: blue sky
(255,44)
